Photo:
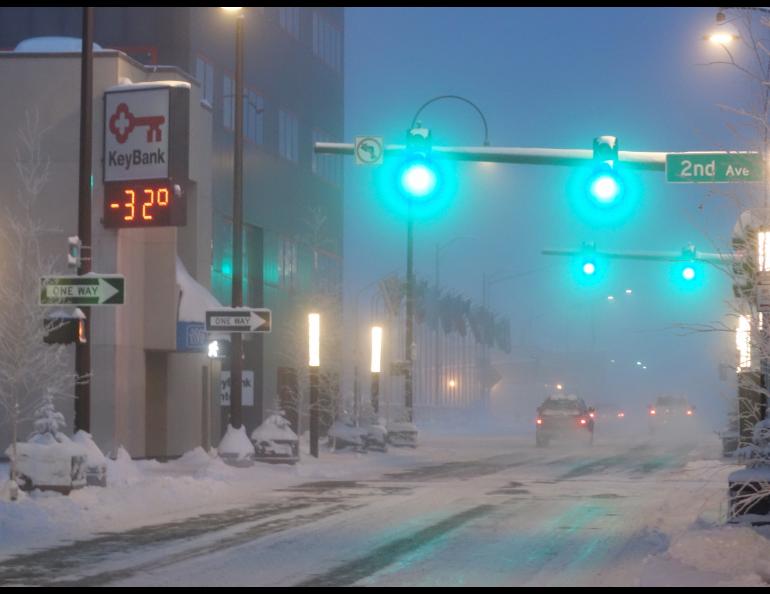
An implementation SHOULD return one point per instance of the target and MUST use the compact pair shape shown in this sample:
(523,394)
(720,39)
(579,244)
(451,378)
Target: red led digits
(142,204)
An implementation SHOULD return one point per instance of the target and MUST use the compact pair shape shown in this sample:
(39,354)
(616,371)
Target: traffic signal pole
(408,396)
(83,349)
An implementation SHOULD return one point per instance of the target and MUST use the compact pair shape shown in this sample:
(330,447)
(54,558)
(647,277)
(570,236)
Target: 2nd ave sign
(238,319)
(82,290)
(714,167)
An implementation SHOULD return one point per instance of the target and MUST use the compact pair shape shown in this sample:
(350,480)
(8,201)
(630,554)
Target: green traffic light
(589,268)
(418,180)
(688,273)
(605,188)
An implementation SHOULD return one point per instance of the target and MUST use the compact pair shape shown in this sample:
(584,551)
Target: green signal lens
(418,180)
(589,268)
(688,273)
(605,188)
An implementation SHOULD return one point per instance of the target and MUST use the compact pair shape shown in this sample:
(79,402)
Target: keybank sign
(136,132)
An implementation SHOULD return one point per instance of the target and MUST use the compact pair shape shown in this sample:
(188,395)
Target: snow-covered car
(670,413)
(564,416)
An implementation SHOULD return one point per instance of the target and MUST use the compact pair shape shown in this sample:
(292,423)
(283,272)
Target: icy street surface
(459,510)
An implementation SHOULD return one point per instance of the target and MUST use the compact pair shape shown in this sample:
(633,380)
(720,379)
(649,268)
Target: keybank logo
(123,122)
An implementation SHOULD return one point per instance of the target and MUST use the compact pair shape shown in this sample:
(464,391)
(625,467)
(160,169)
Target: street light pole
(83,349)
(236,353)
(409,316)
(314,362)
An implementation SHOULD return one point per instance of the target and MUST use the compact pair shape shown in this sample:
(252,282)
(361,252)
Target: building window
(289,19)
(327,42)
(328,167)
(228,102)
(288,134)
(253,109)
(204,72)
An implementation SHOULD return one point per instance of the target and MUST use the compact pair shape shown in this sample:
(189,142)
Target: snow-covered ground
(462,509)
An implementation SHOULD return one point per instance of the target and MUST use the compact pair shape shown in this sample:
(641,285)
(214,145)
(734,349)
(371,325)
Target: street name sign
(714,167)
(92,289)
(238,319)
(369,150)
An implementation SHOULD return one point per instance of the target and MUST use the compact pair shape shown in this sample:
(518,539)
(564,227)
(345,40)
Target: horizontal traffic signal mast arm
(646,160)
(682,256)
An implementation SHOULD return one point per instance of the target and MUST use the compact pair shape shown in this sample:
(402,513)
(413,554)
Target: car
(670,413)
(564,416)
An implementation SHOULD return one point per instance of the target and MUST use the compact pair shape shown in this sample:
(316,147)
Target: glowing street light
(314,362)
(376,366)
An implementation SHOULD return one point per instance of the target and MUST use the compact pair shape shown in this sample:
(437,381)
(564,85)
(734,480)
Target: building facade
(293,211)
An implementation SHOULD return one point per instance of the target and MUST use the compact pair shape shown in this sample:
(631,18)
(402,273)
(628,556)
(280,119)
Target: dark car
(564,416)
(670,412)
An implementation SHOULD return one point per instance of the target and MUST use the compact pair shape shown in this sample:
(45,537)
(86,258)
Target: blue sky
(552,77)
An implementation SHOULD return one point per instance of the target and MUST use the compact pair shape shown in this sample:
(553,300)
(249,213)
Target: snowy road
(566,515)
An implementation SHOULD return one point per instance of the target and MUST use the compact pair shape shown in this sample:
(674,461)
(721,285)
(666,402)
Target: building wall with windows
(293,97)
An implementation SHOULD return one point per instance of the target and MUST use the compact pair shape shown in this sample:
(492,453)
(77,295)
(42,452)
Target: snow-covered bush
(757,453)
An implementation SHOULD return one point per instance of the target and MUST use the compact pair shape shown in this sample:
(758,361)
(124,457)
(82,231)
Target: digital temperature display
(154,203)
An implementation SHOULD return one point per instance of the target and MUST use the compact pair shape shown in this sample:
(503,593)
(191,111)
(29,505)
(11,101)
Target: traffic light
(74,249)
(415,184)
(418,175)
(604,184)
(590,268)
(599,191)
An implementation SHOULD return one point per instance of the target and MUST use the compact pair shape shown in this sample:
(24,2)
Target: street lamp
(236,342)
(376,366)
(314,362)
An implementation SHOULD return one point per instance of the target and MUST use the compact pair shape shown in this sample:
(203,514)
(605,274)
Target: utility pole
(83,350)
(436,345)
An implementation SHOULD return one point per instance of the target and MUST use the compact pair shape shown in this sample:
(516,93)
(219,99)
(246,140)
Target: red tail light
(591,415)
(621,414)
(689,412)
(583,421)
(652,411)
(539,421)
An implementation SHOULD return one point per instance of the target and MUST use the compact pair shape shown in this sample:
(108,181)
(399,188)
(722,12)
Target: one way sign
(238,319)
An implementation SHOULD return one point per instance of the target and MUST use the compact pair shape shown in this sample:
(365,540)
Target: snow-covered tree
(30,370)
(48,423)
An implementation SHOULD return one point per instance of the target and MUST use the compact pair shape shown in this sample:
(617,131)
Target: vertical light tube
(376,348)
(314,339)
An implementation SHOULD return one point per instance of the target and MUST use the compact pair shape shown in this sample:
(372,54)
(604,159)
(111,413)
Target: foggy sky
(553,77)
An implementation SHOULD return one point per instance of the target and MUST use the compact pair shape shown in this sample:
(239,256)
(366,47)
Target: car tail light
(652,411)
(689,412)
(621,414)
(583,421)
(539,421)
(591,415)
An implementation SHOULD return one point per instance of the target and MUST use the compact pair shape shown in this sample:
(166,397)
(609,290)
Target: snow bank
(730,550)
(95,457)
(122,471)
(236,443)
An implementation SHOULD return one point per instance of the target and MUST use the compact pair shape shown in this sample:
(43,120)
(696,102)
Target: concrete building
(293,211)
(146,396)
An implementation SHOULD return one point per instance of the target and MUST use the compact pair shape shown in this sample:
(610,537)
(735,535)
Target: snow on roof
(155,84)
(52,45)
(196,298)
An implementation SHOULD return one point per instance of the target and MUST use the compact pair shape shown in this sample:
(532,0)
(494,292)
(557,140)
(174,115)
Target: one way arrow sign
(89,289)
(238,319)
